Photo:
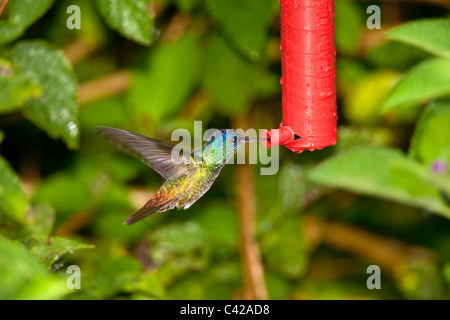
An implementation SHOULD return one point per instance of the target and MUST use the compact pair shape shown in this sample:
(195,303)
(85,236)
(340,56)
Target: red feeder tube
(308,76)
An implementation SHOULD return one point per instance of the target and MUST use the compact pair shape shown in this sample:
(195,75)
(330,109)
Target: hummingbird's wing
(156,154)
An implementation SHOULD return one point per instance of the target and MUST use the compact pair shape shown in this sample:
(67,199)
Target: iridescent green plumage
(187,177)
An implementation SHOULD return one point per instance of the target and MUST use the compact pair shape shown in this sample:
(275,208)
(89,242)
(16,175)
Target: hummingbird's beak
(247,139)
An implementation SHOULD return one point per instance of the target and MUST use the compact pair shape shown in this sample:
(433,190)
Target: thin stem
(79,49)
(3,4)
(389,254)
(253,271)
(105,86)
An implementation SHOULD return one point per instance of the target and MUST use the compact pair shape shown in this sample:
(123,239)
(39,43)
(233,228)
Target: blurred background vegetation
(380,196)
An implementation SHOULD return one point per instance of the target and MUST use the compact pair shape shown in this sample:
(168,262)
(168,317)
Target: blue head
(222,145)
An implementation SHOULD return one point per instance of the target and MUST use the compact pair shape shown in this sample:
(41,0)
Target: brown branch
(141,253)
(79,49)
(177,26)
(3,4)
(370,39)
(155,9)
(195,106)
(109,85)
(74,223)
(254,284)
(389,254)
(332,268)
(30,170)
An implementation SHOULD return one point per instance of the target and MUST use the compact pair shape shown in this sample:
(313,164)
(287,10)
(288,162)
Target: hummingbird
(187,177)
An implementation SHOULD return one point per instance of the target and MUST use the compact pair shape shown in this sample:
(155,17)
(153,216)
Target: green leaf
(118,275)
(417,179)
(129,17)
(119,168)
(107,112)
(187,5)
(410,176)
(291,186)
(22,277)
(56,109)
(395,55)
(165,85)
(16,87)
(432,35)
(48,250)
(421,280)
(244,22)
(93,31)
(286,254)
(432,134)
(351,136)
(115,273)
(221,226)
(349,73)
(72,190)
(349,22)
(218,282)
(446,271)
(363,105)
(278,286)
(230,79)
(368,170)
(13,201)
(177,238)
(40,220)
(426,81)
(20,15)
(185,245)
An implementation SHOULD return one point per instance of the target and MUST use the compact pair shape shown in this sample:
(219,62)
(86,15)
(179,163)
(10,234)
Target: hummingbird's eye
(235,139)
(212,139)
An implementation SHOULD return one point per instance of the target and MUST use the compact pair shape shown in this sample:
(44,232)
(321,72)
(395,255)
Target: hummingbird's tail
(150,208)
(141,214)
